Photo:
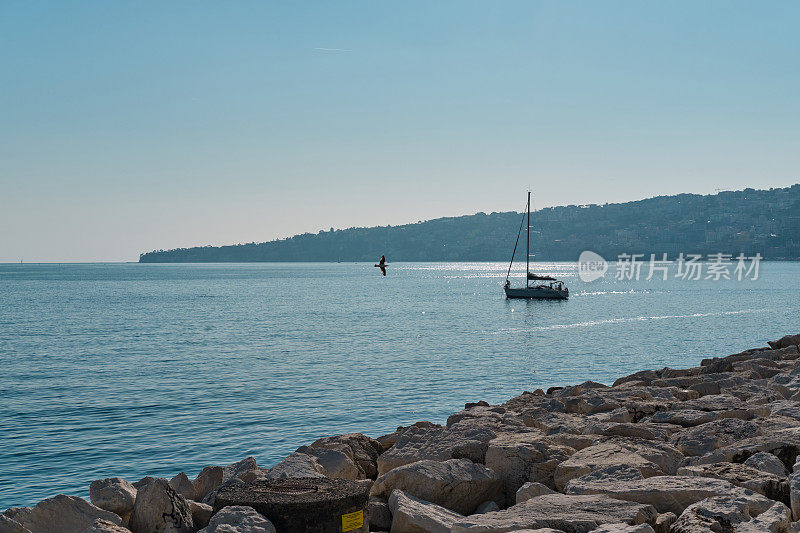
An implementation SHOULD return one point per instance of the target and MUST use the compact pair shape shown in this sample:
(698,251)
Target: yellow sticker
(351,521)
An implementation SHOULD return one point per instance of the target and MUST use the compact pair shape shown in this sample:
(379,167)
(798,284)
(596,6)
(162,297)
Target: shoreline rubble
(709,448)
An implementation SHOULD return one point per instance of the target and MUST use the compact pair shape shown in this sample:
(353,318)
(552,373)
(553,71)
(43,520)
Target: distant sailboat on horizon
(555,290)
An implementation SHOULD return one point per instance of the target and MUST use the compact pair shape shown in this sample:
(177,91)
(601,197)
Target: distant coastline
(748,221)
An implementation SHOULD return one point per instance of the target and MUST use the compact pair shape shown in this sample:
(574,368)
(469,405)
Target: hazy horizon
(129,128)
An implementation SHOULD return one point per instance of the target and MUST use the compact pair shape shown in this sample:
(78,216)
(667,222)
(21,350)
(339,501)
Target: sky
(132,126)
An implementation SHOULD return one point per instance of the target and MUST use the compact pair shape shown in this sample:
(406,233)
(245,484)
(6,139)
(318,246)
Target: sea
(129,370)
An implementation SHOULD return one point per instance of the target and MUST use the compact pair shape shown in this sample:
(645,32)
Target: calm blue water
(130,370)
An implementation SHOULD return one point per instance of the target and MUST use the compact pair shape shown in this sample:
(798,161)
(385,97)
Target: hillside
(750,221)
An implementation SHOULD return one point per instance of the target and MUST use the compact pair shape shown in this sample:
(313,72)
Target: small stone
(624,528)
(487,507)
(664,521)
(104,526)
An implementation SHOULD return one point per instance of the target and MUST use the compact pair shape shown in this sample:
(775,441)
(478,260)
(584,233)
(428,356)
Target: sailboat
(544,287)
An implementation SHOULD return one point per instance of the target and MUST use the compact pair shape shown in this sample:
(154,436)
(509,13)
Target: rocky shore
(709,448)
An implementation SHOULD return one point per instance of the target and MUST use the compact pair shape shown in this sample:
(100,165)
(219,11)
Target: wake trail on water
(627,319)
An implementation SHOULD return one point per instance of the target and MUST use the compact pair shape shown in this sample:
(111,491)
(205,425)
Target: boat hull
(536,293)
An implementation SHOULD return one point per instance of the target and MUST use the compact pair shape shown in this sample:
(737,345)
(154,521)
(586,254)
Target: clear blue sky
(132,126)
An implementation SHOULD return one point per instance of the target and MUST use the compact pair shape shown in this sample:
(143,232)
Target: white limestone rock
(733,513)
(335,463)
(531,490)
(576,514)
(521,457)
(457,484)
(467,439)
(364,451)
(238,519)
(104,526)
(707,437)
(414,515)
(742,475)
(665,493)
(62,514)
(766,462)
(600,456)
(113,494)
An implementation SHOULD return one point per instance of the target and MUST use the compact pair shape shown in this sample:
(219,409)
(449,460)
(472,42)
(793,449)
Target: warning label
(351,521)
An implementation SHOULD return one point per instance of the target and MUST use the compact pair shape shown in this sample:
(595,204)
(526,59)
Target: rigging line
(515,246)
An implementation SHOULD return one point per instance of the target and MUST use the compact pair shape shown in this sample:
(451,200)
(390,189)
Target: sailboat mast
(528,245)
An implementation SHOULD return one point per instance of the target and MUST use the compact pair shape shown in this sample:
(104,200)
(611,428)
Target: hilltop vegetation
(749,221)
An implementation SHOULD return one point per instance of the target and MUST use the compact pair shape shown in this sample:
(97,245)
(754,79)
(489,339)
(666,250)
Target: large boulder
(238,519)
(414,515)
(467,439)
(794,494)
(457,484)
(364,451)
(734,513)
(113,494)
(522,457)
(576,514)
(599,456)
(296,465)
(707,437)
(742,475)
(62,514)
(684,417)
(784,443)
(766,462)
(160,509)
(665,493)
(307,461)
(336,462)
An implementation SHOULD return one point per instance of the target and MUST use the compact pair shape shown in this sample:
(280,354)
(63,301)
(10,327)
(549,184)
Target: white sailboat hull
(536,293)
